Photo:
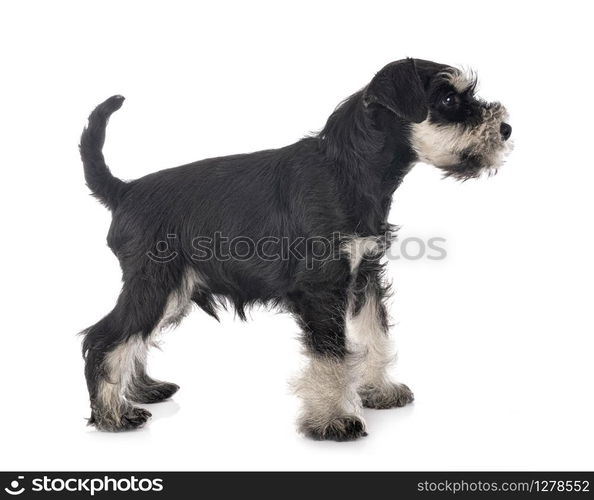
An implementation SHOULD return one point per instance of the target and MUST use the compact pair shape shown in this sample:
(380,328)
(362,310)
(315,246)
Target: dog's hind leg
(144,389)
(367,332)
(112,349)
(115,348)
(328,387)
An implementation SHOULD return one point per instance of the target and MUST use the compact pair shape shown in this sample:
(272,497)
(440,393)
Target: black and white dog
(333,188)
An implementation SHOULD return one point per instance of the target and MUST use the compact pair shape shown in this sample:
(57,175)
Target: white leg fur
(331,403)
(121,364)
(368,335)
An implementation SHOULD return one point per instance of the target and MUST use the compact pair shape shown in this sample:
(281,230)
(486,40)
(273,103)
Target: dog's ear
(398,88)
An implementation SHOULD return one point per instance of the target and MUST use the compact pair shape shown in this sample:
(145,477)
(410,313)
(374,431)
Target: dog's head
(449,126)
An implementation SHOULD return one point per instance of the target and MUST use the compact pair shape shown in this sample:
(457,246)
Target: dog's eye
(450,100)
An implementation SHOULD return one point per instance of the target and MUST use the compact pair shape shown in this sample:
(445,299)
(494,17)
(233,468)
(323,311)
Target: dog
(333,187)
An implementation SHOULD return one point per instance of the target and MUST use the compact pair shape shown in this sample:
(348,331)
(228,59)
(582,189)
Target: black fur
(145,389)
(399,88)
(338,181)
(347,428)
(107,188)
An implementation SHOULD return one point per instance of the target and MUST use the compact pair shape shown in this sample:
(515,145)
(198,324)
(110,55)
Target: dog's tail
(107,188)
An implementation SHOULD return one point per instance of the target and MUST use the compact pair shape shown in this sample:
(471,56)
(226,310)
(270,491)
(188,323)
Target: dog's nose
(505,130)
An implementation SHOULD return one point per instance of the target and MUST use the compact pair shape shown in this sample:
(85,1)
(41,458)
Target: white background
(496,340)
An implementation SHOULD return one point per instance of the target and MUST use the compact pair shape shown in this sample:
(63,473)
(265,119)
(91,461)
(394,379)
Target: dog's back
(177,216)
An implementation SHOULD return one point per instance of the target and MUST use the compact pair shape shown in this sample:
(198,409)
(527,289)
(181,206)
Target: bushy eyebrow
(464,82)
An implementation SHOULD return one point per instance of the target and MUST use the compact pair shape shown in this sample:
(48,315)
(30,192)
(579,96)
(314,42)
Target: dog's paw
(342,428)
(391,395)
(154,393)
(134,418)
(131,418)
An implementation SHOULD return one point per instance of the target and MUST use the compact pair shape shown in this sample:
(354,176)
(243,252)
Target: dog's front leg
(328,386)
(367,327)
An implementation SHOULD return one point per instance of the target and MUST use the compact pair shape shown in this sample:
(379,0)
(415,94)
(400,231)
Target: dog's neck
(372,154)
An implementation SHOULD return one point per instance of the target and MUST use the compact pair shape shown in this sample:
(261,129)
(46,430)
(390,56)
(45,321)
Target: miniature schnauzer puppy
(337,182)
